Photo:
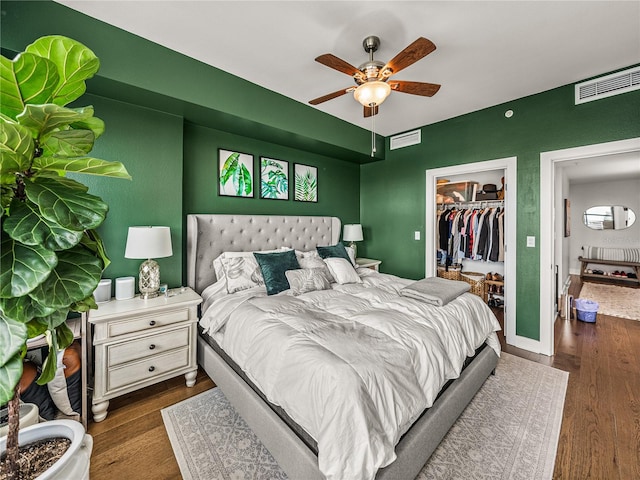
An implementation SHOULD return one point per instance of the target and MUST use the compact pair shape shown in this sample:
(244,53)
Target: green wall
(393,190)
(338,192)
(149,144)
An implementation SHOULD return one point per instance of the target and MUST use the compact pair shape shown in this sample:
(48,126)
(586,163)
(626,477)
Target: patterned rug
(614,300)
(509,430)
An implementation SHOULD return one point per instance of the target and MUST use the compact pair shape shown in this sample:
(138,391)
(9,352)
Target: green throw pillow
(334,251)
(273,266)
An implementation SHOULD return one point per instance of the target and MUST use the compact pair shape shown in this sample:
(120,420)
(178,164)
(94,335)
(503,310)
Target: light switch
(531,241)
(416,235)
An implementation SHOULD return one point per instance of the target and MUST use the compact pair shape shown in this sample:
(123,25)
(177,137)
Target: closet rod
(477,203)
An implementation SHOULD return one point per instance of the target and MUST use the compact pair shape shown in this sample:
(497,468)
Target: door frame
(509,165)
(548,162)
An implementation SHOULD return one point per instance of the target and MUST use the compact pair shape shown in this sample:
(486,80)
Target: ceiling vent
(609,85)
(405,139)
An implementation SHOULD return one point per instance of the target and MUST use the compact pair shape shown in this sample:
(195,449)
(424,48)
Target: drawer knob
(152,346)
(152,368)
(152,323)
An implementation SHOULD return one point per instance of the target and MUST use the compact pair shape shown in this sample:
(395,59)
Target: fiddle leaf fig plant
(51,256)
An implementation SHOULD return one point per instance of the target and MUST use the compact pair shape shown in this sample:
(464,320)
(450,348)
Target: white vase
(74,464)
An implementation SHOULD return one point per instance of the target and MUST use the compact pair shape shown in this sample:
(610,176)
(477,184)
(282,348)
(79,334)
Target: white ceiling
(621,166)
(487,53)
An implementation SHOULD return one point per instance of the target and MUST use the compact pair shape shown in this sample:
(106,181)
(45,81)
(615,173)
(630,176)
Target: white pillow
(311,259)
(342,270)
(351,253)
(240,269)
(307,280)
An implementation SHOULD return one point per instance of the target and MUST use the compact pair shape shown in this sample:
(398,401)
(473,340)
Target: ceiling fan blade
(414,88)
(331,96)
(370,111)
(414,52)
(338,64)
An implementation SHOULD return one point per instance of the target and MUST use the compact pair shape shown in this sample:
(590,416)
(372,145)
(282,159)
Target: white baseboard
(528,344)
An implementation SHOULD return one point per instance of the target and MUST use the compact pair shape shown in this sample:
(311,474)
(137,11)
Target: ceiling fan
(372,77)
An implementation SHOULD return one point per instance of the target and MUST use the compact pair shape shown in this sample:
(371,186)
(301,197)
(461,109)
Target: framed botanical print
(235,174)
(274,179)
(306,183)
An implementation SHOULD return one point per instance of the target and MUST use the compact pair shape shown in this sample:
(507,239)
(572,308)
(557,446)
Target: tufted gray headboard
(208,235)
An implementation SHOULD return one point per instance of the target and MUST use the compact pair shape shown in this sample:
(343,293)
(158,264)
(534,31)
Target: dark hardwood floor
(599,438)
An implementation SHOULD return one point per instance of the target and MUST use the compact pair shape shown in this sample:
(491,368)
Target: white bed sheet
(354,366)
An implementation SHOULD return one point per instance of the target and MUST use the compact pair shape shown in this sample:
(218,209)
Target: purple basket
(586,310)
(585,316)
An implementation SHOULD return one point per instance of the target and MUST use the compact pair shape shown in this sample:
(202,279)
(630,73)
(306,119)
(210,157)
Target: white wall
(583,196)
(562,243)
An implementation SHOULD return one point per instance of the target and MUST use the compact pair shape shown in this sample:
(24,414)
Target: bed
(275,418)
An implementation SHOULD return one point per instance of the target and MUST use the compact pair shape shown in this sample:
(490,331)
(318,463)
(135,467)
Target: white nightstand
(368,263)
(141,342)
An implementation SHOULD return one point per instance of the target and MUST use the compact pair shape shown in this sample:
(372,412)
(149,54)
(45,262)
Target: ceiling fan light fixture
(372,94)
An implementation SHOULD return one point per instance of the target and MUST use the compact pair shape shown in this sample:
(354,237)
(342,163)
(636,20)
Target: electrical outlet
(416,235)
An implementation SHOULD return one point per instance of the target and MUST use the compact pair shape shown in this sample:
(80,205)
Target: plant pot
(28,416)
(74,464)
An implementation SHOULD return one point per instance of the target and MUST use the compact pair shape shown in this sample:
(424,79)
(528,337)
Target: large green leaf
(27,79)
(229,167)
(74,278)
(76,63)
(86,165)
(67,143)
(95,124)
(10,374)
(24,309)
(45,119)
(12,337)
(26,225)
(92,241)
(16,147)
(23,267)
(50,364)
(64,202)
(84,305)
(242,181)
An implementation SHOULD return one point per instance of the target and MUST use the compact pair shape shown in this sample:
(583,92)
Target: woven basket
(453,273)
(476,280)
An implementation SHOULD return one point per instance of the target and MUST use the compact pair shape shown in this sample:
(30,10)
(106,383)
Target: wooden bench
(625,280)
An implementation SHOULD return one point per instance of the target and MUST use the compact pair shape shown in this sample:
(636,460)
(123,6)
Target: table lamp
(353,233)
(149,243)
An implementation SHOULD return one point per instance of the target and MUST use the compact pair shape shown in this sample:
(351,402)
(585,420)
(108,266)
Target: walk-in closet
(470,232)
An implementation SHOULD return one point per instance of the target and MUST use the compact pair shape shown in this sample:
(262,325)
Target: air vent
(405,139)
(609,85)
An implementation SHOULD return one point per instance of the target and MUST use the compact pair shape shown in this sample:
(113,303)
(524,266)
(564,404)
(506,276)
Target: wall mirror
(609,217)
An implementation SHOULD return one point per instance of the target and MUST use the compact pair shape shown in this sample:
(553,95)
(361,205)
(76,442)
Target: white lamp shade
(148,242)
(352,233)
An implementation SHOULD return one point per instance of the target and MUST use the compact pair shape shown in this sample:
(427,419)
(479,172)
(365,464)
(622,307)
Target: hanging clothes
(474,233)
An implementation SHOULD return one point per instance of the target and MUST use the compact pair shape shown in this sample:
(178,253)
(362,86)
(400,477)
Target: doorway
(508,165)
(550,188)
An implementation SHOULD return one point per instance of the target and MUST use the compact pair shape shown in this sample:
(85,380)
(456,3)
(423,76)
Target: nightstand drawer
(131,373)
(120,353)
(144,322)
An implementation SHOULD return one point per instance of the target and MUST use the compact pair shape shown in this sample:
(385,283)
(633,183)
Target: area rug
(509,431)
(614,300)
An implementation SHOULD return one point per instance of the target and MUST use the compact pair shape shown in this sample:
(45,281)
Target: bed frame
(210,235)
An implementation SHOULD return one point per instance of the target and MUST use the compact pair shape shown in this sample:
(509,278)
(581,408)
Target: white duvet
(355,366)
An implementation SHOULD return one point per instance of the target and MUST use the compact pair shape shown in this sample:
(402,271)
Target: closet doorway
(508,166)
